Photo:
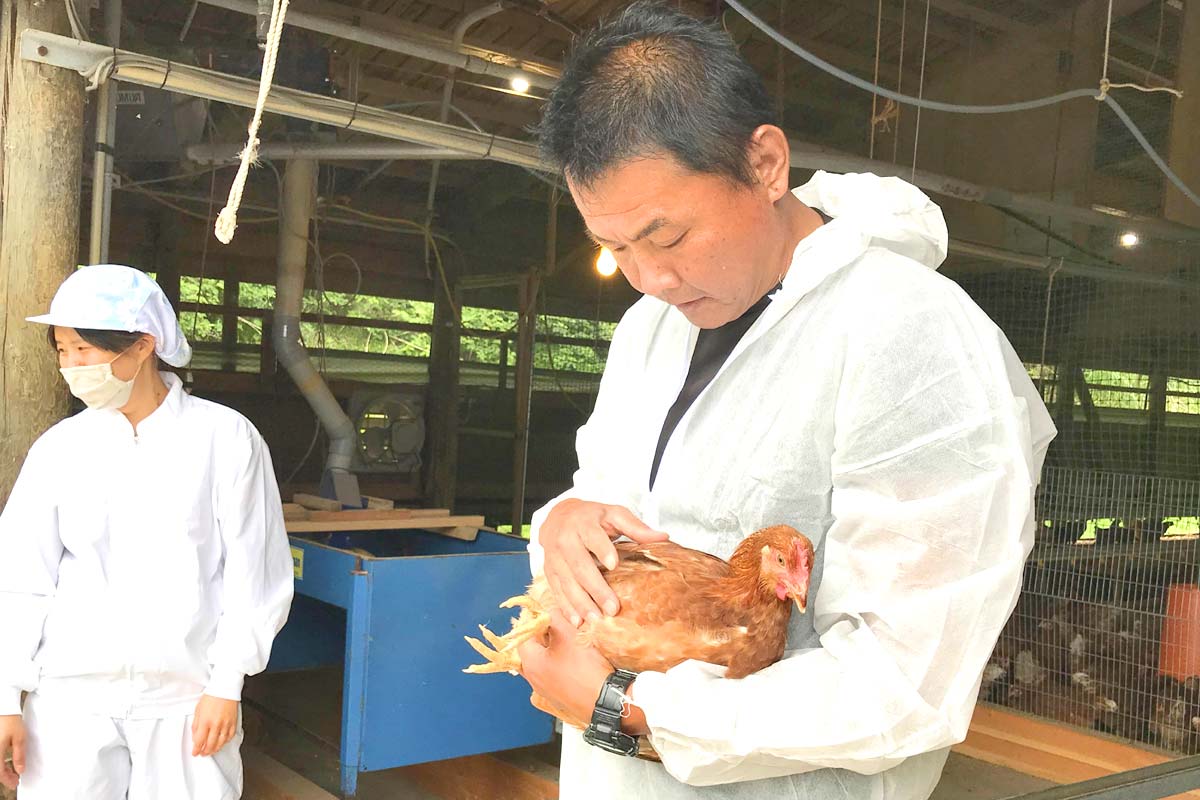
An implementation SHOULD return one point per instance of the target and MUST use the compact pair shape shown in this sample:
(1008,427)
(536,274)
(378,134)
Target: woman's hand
(12,739)
(214,724)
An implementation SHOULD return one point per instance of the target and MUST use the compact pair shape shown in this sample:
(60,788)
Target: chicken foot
(502,656)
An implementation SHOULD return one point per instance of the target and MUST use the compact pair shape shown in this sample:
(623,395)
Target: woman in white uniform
(144,567)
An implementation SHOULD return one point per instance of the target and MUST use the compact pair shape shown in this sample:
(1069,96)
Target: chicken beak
(799,593)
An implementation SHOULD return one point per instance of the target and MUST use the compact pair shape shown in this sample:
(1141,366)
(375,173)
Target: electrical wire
(78,29)
(956,108)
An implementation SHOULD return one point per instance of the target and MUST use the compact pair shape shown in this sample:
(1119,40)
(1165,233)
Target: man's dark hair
(653,80)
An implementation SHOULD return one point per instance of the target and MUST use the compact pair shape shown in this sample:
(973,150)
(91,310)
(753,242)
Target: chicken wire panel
(1117,358)
(1105,633)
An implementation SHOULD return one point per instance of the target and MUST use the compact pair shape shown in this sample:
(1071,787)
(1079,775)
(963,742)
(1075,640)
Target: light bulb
(1129,239)
(519,85)
(606,263)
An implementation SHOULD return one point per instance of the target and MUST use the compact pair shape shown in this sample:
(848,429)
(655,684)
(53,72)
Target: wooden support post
(229,323)
(1064,403)
(1184,152)
(165,261)
(526,335)
(1156,435)
(527,301)
(41,135)
(441,405)
(502,382)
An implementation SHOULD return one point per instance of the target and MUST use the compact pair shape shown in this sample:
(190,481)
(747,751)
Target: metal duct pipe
(296,211)
(106,137)
(1068,267)
(394,43)
(460,32)
(351,151)
(86,57)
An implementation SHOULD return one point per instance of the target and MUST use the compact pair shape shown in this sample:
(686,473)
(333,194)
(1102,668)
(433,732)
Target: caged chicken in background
(1094,665)
(677,604)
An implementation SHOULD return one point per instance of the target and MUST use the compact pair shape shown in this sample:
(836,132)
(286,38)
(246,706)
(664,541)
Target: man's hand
(214,724)
(12,739)
(570,675)
(575,535)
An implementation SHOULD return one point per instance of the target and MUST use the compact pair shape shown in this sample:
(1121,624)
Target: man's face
(699,242)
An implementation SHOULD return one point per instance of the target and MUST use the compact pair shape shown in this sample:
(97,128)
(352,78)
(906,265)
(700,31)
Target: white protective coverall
(136,574)
(876,408)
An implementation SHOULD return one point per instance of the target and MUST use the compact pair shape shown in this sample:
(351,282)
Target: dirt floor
(964,778)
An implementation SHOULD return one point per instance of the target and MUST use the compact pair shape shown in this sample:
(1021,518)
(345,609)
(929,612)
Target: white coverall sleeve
(30,552)
(257,577)
(933,479)
(602,476)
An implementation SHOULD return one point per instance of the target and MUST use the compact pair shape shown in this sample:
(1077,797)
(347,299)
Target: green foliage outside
(587,356)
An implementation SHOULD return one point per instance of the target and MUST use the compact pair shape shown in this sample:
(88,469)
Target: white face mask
(97,386)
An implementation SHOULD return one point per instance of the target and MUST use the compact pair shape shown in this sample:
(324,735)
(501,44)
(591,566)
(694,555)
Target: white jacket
(137,573)
(875,407)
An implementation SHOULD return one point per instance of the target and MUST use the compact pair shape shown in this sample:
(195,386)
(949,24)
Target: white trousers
(78,756)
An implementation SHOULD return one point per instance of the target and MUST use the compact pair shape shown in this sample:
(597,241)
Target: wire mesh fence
(1106,634)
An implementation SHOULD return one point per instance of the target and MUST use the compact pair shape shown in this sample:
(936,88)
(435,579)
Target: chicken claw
(502,656)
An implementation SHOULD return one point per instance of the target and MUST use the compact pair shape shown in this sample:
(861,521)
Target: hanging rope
(1106,84)
(227,219)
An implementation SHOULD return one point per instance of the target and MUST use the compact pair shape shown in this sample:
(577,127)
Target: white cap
(110,297)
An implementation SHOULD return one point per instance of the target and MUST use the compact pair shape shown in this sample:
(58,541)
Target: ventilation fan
(391,430)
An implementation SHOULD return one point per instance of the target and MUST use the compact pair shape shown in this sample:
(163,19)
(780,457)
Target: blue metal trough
(392,607)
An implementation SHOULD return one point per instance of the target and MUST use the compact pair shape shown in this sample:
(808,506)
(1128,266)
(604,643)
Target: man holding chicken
(796,359)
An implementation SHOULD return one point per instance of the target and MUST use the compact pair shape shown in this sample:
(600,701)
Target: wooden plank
(294,511)
(418,523)
(468,533)
(480,778)
(1047,750)
(316,503)
(354,514)
(267,779)
(357,514)
(378,502)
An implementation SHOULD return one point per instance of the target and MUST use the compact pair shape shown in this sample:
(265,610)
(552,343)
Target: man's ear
(770,158)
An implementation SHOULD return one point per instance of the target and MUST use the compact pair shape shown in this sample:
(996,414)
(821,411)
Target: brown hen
(677,604)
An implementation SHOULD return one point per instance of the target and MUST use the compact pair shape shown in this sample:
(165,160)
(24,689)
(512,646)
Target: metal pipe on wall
(295,213)
(460,32)
(349,151)
(63,51)
(394,43)
(106,137)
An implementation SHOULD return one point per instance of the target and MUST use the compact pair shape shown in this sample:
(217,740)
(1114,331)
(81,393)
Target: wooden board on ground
(316,503)
(267,779)
(1055,752)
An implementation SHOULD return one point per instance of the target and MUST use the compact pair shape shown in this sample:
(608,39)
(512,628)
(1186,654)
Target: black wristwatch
(605,730)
